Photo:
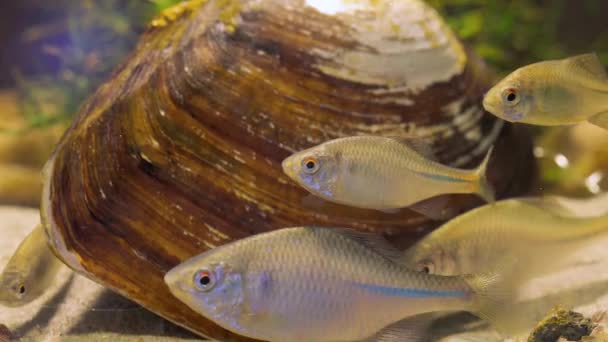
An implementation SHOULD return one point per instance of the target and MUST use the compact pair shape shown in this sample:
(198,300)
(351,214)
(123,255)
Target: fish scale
(322,284)
(30,271)
(551,93)
(381,173)
(534,230)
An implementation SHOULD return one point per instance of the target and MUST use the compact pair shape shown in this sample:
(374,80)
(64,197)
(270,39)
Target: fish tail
(493,296)
(485,188)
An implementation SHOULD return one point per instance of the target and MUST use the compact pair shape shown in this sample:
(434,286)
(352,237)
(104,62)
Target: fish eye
(19,290)
(204,280)
(511,96)
(310,165)
(425,267)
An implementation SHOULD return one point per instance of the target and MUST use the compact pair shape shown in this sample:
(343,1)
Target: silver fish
(558,92)
(381,173)
(29,272)
(322,284)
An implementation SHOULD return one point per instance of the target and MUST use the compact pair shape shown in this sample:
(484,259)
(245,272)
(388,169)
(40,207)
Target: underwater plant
(95,35)
(80,44)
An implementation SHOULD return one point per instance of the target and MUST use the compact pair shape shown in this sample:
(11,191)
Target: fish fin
(600,120)
(435,208)
(486,190)
(494,295)
(372,241)
(411,329)
(588,65)
(421,146)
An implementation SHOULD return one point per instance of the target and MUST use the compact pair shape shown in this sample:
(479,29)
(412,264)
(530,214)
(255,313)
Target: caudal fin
(494,295)
(485,189)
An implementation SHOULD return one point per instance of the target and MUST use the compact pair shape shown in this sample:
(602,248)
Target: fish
(382,173)
(553,93)
(29,272)
(323,284)
(536,234)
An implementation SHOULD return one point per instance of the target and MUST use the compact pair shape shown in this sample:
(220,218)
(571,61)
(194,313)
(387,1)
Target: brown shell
(180,150)
(5,334)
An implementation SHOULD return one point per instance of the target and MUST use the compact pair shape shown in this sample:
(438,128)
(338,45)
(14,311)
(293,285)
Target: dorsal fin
(420,145)
(600,120)
(587,65)
(373,241)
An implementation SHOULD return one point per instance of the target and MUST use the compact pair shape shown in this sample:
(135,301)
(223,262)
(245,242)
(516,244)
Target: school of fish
(337,284)
(332,284)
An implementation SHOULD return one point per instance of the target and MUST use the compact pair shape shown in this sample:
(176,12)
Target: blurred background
(56,52)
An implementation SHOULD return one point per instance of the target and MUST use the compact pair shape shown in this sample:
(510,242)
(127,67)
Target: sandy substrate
(75,309)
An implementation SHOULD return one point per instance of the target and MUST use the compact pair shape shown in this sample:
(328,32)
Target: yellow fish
(381,173)
(29,272)
(550,93)
(535,233)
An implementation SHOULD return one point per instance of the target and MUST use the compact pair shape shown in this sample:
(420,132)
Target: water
(57,53)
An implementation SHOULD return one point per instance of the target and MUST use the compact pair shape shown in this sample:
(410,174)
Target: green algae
(562,323)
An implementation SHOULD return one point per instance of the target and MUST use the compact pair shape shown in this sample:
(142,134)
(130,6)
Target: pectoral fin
(600,120)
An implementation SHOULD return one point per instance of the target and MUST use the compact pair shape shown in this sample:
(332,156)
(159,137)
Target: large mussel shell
(180,150)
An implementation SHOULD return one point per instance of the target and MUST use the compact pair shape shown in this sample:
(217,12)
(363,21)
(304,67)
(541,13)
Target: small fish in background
(324,284)
(535,233)
(29,272)
(381,173)
(5,334)
(550,93)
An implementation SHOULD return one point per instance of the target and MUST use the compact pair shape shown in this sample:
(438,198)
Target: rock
(570,325)
(5,334)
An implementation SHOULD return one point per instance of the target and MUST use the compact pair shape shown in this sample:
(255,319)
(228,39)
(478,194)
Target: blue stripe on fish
(441,177)
(406,292)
